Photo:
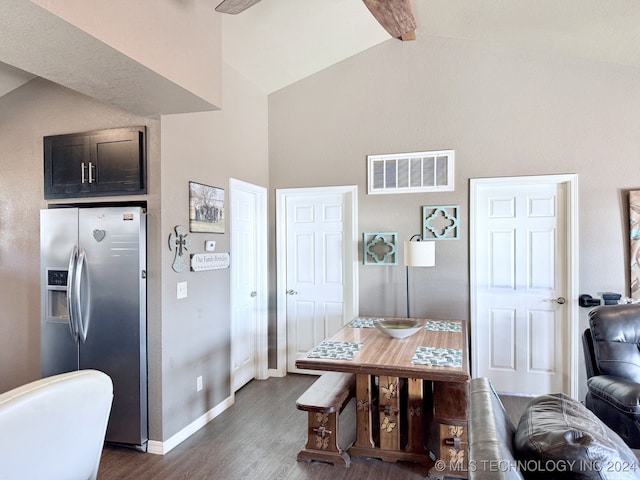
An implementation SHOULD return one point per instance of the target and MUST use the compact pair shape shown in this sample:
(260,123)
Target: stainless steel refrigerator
(93,270)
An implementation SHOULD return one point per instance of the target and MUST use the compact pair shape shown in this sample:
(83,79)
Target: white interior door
(522,295)
(318,283)
(248,283)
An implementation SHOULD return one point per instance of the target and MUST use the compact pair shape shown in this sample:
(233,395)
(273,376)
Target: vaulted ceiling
(277,42)
(11,78)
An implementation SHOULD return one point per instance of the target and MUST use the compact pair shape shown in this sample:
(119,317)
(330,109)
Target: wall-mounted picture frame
(206,208)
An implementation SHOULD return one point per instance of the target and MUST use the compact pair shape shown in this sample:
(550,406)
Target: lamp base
(408,299)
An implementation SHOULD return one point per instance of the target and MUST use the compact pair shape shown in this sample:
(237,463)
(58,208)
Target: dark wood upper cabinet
(98,163)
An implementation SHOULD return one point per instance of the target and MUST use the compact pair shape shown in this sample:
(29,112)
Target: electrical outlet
(181,291)
(199,383)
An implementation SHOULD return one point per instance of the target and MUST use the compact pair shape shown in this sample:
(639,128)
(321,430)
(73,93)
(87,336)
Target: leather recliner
(612,359)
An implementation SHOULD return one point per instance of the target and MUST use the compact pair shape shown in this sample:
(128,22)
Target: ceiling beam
(235,6)
(395,16)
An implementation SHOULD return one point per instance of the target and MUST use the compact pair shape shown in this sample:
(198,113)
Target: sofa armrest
(491,434)
(620,393)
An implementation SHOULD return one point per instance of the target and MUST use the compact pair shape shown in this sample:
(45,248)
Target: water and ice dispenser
(57,310)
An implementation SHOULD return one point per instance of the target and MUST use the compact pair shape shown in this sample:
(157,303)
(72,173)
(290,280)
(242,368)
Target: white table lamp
(418,253)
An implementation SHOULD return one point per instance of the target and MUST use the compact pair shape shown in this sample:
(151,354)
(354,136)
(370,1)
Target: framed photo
(206,208)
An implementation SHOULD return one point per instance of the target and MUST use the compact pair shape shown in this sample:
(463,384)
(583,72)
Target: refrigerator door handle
(81,297)
(71,304)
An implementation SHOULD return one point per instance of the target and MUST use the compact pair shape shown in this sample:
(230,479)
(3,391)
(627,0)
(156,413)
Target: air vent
(411,172)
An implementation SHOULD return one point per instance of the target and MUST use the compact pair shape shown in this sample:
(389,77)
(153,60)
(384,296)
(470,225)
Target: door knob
(291,292)
(559,300)
(254,294)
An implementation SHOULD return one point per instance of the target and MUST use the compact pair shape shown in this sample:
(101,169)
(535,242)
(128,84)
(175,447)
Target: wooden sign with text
(201,262)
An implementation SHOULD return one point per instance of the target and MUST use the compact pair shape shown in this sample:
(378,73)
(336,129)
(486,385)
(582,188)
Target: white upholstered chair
(54,428)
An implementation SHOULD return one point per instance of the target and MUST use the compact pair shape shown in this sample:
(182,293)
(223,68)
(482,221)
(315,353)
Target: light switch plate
(181,290)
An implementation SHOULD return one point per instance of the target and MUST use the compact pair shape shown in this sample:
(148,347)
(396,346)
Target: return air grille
(411,172)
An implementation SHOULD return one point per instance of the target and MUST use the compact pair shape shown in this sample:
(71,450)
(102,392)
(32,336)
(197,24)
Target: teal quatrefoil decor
(380,248)
(440,222)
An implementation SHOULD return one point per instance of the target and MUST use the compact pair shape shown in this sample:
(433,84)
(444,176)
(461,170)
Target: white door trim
(262,327)
(351,295)
(571,255)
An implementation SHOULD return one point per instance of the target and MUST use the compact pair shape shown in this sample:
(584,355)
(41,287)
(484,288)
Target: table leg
(415,416)
(378,419)
(364,438)
(450,442)
(389,408)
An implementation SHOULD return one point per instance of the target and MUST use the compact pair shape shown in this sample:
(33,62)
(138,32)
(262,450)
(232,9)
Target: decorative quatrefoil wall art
(380,248)
(440,222)
(179,242)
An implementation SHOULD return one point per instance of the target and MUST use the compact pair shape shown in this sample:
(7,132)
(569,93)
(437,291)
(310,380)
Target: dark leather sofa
(612,359)
(557,437)
(491,434)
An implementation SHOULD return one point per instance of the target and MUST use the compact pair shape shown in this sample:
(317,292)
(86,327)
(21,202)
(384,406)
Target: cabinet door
(98,163)
(66,164)
(118,161)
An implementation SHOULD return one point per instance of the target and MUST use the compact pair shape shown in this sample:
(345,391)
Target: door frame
(571,267)
(262,326)
(351,293)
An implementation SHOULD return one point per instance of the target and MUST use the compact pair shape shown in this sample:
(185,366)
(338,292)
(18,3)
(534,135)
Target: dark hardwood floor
(257,438)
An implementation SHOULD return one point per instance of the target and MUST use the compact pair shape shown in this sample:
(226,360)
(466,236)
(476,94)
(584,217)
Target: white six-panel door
(317,267)
(520,312)
(248,283)
(315,277)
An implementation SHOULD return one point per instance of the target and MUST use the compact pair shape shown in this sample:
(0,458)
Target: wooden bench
(324,400)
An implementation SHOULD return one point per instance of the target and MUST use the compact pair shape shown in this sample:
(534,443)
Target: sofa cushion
(558,437)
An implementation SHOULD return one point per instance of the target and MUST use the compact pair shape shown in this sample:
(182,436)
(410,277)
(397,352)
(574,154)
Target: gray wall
(209,148)
(506,113)
(27,114)
(187,337)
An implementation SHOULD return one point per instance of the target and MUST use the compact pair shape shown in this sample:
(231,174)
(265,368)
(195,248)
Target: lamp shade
(420,254)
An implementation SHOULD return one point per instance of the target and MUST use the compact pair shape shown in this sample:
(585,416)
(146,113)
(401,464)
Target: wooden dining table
(411,393)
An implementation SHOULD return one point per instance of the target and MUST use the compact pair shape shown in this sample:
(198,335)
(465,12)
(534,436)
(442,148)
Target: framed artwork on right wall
(634,244)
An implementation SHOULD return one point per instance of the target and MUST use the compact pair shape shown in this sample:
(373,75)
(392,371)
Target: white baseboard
(276,372)
(161,448)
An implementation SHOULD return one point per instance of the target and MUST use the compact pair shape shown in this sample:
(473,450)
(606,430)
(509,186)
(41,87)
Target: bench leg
(322,440)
